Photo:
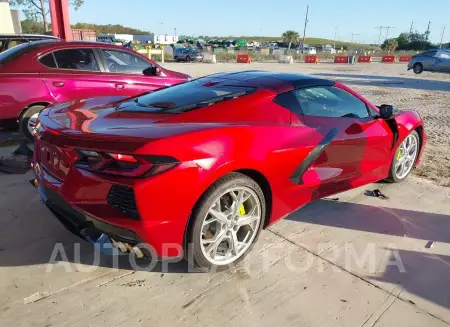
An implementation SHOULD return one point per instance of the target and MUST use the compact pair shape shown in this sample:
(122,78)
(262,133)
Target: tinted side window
(48,61)
(289,101)
(82,59)
(330,101)
(124,62)
(430,53)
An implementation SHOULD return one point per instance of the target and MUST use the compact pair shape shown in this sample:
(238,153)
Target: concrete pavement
(350,260)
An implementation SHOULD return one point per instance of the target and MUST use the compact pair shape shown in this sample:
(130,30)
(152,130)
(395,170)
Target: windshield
(187,96)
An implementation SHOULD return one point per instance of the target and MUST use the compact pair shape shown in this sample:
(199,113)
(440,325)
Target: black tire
(418,68)
(194,247)
(25,118)
(392,175)
(176,59)
(188,59)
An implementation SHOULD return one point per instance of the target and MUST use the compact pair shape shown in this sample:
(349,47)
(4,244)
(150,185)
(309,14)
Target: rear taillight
(128,165)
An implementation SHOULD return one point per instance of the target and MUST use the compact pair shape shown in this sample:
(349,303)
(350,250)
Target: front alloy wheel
(228,221)
(405,157)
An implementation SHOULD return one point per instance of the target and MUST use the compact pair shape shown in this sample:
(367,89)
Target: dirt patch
(435,165)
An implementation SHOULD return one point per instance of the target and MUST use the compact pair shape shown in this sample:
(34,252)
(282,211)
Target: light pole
(334,43)
(304,30)
(442,37)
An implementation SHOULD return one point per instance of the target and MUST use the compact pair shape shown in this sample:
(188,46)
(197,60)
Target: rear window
(20,49)
(189,96)
(14,52)
(48,61)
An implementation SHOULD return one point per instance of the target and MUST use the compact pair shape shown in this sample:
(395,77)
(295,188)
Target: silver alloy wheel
(406,156)
(231,225)
(32,123)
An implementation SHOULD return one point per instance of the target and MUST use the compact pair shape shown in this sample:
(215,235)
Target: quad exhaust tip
(125,247)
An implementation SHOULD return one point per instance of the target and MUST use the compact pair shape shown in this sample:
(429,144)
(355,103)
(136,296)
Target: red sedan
(36,74)
(211,162)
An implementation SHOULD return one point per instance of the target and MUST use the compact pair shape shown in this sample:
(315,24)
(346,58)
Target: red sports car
(212,161)
(36,74)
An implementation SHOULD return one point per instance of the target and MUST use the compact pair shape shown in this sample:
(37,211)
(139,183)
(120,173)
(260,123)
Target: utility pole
(411,28)
(442,37)
(379,35)
(335,32)
(304,29)
(427,33)
(387,30)
(353,35)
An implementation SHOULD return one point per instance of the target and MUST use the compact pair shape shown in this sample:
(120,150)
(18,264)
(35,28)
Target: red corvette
(212,161)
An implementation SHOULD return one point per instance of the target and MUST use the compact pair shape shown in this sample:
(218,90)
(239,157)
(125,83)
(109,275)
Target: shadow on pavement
(426,274)
(41,239)
(389,81)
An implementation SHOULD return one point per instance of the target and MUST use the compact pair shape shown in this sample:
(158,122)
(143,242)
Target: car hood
(113,117)
(174,74)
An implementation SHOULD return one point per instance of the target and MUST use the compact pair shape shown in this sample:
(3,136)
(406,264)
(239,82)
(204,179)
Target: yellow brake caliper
(241,210)
(399,154)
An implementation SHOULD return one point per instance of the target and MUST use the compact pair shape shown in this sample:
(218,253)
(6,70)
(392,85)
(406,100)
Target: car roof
(30,36)
(280,82)
(58,43)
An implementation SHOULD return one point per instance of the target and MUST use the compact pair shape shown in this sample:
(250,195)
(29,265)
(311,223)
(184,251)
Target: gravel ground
(428,93)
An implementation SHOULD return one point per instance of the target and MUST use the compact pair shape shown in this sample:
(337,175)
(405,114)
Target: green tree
(31,27)
(109,29)
(389,45)
(290,36)
(403,39)
(38,10)
(417,37)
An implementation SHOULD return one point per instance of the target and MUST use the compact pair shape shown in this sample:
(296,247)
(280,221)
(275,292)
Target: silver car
(187,54)
(431,60)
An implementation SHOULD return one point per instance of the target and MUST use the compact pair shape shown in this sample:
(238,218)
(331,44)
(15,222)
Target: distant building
(156,38)
(15,15)
(6,22)
(120,37)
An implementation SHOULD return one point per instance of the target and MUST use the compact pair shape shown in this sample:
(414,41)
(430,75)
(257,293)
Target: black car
(8,41)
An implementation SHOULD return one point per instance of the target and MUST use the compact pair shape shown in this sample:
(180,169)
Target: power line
(381,29)
(379,35)
(353,35)
(387,30)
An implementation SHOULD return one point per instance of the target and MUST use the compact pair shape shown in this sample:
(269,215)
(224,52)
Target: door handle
(119,86)
(58,84)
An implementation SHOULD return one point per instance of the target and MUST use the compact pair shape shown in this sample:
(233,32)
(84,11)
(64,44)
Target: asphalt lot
(350,260)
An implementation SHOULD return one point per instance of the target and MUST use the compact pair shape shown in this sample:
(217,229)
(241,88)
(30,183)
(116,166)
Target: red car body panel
(250,134)
(24,81)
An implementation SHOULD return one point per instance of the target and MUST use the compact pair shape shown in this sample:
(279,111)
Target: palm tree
(290,36)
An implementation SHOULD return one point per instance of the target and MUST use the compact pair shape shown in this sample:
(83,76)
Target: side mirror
(386,111)
(152,71)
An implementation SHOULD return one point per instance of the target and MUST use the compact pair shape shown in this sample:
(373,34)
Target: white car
(308,50)
(329,50)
